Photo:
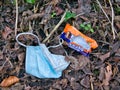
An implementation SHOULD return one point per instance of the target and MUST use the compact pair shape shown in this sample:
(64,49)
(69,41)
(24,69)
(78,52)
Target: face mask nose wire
(26,33)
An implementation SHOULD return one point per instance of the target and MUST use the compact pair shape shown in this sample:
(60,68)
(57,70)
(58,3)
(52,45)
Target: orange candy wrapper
(77,40)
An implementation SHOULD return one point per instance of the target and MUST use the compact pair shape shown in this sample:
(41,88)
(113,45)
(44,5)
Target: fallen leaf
(115,70)
(74,84)
(83,6)
(21,57)
(101,75)
(6,32)
(27,87)
(55,2)
(116,59)
(34,16)
(79,63)
(117,18)
(116,88)
(57,85)
(105,56)
(84,18)
(1,55)
(107,10)
(118,25)
(17,86)
(87,71)
(64,83)
(58,10)
(108,74)
(27,13)
(9,81)
(46,15)
(85,82)
(83,61)
(115,47)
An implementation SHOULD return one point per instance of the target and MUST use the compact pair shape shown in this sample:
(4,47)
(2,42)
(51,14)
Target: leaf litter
(83,73)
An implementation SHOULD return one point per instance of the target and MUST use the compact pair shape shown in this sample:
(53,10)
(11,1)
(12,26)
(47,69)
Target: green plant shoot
(30,1)
(86,27)
(53,14)
(69,15)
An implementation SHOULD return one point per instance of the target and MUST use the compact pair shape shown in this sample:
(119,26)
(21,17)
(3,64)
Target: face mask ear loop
(60,44)
(26,33)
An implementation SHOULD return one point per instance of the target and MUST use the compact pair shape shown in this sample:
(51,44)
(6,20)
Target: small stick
(112,23)
(16,22)
(7,60)
(3,65)
(56,27)
(103,11)
(91,83)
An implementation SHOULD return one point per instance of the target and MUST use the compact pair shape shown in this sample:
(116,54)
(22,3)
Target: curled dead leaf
(108,74)
(9,81)
(115,70)
(6,32)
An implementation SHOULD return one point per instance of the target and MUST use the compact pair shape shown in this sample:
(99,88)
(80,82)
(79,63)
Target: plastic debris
(77,40)
(42,63)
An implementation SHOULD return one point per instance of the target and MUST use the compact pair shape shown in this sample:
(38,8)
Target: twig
(3,65)
(56,27)
(16,22)
(7,60)
(79,15)
(112,23)
(91,83)
(103,11)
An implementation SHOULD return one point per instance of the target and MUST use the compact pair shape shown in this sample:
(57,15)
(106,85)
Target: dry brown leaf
(34,16)
(64,83)
(75,85)
(107,10)
(85,82)
(55,2)
(9,81)
(83,6)
(117,18)
(21,58)
(101,75)
(1,55)
(108,74)
(116,59)
(79,63)
(105,56)
(84,18)
(115,70)
(27,13)
(6,32)
(118,24)
(58,10)
(115,47)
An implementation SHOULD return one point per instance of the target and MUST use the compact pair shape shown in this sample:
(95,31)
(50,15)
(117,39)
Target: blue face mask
(42,63)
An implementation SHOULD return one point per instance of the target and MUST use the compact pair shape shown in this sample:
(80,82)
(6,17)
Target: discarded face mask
(77,40)
(40,62)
